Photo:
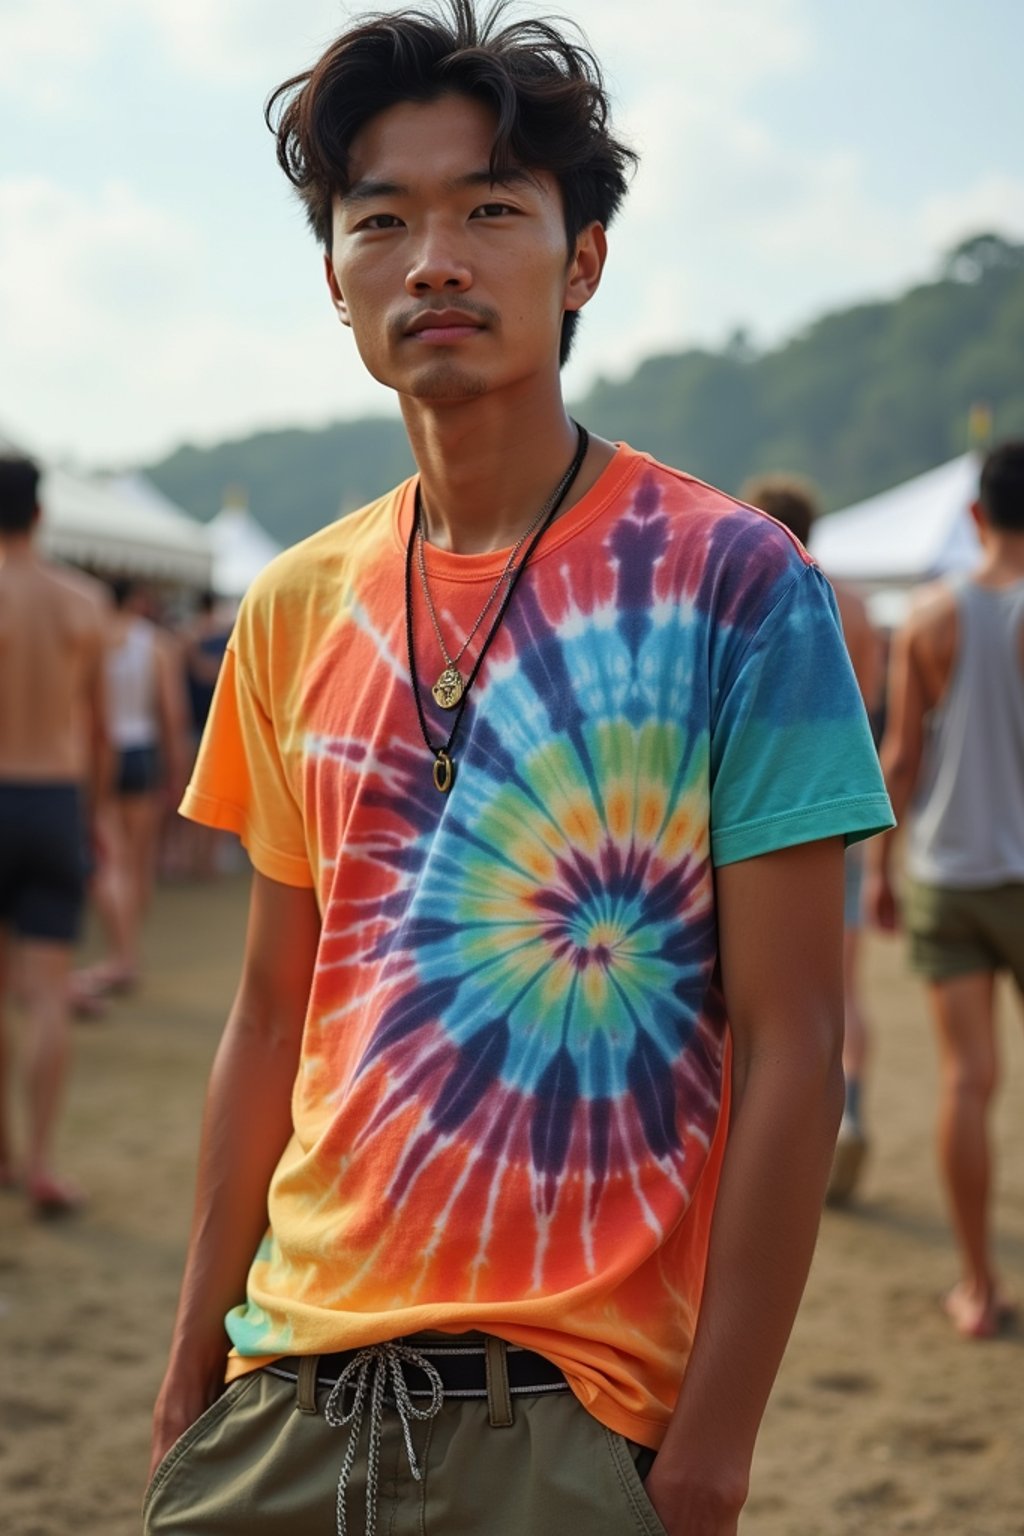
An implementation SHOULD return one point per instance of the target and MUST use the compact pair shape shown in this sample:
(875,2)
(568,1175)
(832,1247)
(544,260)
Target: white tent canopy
(240,549)
(912,533)
(121,526)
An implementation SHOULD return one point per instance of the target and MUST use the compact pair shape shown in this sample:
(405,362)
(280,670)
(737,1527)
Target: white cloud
(238,40)
(123,337)
(41,46)
(71,265)
(994,201)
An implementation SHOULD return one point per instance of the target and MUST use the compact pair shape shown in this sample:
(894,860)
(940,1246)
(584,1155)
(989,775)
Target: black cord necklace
(444,764)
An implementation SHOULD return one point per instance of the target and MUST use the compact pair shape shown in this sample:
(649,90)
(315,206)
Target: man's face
(453,286)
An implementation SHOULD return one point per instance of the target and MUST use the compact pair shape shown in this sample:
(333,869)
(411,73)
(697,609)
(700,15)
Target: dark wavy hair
(1002,486)
(546,91)
(19,493)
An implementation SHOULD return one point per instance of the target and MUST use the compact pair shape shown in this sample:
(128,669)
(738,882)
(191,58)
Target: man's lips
(443,325)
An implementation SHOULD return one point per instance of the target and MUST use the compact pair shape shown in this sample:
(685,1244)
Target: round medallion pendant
(449,688)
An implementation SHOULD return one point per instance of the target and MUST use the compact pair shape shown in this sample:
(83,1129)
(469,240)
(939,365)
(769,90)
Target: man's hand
(180,1402)
(695,1506)
(880,902)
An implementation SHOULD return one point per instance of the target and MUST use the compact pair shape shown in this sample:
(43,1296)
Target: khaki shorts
(954,932)
(256,1464)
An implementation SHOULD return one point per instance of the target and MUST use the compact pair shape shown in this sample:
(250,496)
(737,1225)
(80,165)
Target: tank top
(967,826)
(131,689)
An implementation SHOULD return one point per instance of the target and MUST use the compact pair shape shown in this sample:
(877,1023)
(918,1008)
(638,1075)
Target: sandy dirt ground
(882,1420)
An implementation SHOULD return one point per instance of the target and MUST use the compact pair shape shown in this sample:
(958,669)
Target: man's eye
(492,210)
(380,221)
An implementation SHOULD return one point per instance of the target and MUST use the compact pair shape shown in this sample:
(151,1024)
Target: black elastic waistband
(461,1367)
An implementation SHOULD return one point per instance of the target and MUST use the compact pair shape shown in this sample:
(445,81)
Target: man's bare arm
(246,1125)
(98,744)
(780,935)
(172,711)
(911,686)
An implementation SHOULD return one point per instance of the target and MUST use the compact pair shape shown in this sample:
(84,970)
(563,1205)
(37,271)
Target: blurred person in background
(953,757)
(146,702)
(54,758)
(793,501)
(204,640)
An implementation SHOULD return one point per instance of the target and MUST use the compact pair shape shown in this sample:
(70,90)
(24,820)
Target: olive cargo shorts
(256,1464)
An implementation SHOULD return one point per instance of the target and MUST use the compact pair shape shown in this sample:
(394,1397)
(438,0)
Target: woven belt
(395,1372)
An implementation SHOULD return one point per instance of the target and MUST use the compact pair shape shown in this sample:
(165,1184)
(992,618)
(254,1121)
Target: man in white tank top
(953,756)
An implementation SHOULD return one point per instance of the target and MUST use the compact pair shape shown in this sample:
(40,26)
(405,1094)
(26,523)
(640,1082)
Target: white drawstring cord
(380,1360)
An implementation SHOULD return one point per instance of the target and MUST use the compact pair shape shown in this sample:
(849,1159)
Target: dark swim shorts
(138,771)
(42,860)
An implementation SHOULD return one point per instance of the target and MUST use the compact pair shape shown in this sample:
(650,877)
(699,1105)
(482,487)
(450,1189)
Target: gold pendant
(449,688)
(444,773)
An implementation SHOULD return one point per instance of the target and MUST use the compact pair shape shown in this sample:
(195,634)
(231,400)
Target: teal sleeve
(792,758)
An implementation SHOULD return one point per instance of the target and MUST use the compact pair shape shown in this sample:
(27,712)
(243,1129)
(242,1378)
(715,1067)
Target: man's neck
(18,547)
(1003,562)
(486,470)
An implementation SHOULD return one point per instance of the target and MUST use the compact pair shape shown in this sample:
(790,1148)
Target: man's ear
(337,297)
(981,522)
(584,275)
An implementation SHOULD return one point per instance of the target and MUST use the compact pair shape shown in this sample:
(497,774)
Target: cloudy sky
(157,283)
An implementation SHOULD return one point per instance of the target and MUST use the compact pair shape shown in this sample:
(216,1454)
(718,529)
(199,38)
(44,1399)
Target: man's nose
(438,265)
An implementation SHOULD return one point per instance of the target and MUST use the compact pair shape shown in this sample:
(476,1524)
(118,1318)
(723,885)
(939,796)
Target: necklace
(451,685)
(444,763)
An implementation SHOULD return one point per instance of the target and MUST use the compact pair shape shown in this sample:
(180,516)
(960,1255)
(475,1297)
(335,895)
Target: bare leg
(851,1144)
(963,1009)
(47,969)
(6,1139)
(855,1040)
(114,895)
(140,819)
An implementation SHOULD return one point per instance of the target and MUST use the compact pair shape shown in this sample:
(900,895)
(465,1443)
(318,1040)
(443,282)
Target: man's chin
(445,382)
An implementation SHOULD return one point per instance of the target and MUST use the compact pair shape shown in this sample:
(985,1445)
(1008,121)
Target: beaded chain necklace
(444,763)
(451,684)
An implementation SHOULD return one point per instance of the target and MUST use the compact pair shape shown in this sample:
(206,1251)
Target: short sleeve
(240,783)
(792,757)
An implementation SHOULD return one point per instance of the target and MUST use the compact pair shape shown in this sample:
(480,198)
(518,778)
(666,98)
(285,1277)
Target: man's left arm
(172,714)
(780,941)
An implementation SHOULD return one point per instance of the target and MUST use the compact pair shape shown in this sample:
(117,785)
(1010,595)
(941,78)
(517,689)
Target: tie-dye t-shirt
(510,1109)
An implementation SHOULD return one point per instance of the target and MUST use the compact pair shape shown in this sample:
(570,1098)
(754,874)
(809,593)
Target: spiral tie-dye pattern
(512,1103)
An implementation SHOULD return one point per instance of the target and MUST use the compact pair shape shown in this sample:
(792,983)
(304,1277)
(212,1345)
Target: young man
(954,753)
(53,762)
(545,762)
(793,502)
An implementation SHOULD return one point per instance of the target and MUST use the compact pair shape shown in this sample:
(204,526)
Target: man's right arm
(247,1124)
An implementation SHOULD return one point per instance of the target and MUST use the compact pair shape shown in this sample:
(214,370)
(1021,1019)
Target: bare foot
(84,1002)
(49,1196)
(976,1314)
(98,980)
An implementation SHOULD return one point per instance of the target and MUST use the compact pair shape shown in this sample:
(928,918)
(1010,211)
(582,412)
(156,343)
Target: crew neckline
(447,565)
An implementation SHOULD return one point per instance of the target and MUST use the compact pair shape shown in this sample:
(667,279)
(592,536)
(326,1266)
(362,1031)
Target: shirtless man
(792,501)
(953,756)
(52,759)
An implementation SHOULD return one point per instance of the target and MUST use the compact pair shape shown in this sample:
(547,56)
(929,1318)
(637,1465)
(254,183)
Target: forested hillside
(859,400)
